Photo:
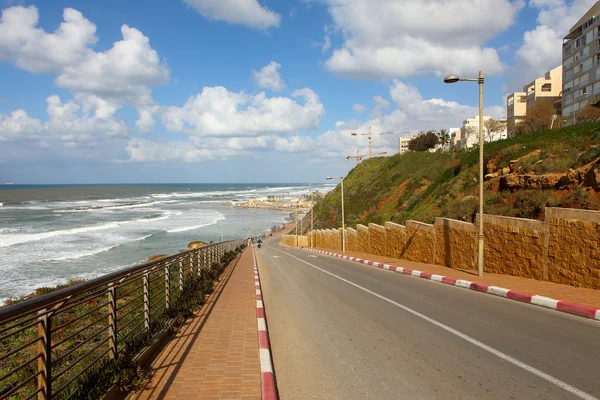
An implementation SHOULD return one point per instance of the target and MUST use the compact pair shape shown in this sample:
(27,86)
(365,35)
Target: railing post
(180,275)
(44,363)
(112,321)
(199,263)
(147,300)
(167,286)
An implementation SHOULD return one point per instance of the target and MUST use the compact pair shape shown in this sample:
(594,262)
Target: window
(522,99)
(597,58)
(569,74)
(588,37)
(576,82)
(511,100)
(596,88)
(585,52)
(583,79)
(547,87)
(587,64)
(568,98)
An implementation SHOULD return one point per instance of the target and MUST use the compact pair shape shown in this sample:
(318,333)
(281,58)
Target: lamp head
(353,134)
(451,79)
(329,177)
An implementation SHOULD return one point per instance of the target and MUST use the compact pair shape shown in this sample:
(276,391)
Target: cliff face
(523,175)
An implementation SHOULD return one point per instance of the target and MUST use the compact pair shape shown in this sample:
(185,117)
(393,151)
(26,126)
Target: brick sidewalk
(588,297)
(215,355)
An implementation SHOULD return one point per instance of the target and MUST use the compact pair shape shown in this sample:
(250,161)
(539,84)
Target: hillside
(557,168)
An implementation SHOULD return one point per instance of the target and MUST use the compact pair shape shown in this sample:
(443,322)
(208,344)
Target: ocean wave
(82,254)
(24,238)
(193,227)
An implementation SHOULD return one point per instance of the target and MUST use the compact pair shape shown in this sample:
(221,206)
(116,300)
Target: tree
(423,141)
(494,127)
(444,138)
(538,117)
(591,112)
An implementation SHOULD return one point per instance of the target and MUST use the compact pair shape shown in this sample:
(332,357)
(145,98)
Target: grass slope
(422,185)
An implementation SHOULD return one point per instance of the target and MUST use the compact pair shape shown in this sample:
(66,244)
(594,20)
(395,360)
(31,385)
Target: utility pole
(296,224)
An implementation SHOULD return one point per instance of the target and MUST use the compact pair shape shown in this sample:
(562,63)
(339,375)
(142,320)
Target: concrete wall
(395,239)
(420,242)
(364,245)
(513,246)
(377,240)
(456,244)
(573,247)
(565,248)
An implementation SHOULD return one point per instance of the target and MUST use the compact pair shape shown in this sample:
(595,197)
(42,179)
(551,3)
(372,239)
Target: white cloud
(359,108)
(89,120)
(141,150)
(34,50)
(268,77)
(410,114)
(326,44)
(398,39)
(122,74)
(541,50)
(219,112)
(244,12)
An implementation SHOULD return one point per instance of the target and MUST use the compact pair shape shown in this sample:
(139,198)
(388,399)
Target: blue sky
(249,90)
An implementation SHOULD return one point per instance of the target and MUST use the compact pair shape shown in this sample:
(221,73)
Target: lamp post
(312,205)
(341,178)
(480,81)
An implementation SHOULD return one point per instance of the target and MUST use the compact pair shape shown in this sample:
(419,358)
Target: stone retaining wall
(351,240)
(513,246)
(456,244)
(565,248)
(377,239)
(395,239)
(420,242)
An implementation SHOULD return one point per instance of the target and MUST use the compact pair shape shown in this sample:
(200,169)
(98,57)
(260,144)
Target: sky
(208,91)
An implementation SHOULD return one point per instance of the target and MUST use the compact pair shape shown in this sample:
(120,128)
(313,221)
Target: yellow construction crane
(370,137)
(358,157)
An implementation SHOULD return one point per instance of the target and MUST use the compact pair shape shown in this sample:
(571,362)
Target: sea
(51,233)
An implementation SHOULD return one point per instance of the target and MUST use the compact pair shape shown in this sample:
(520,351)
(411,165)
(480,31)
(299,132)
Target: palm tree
(444,138)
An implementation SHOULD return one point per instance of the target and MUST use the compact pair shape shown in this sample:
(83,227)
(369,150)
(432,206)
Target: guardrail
(47,343)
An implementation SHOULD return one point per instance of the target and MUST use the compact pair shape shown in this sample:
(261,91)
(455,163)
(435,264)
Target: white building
(469,135)
(403,144)
(454,137)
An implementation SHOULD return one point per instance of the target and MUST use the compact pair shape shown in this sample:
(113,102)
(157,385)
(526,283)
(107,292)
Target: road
(343,330)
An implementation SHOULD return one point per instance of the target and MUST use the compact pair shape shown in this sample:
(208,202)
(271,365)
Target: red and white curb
(542,301)
(268,388)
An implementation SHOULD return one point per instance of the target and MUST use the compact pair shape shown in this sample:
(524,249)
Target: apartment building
(454,137)
(545,88)
(581,63)
(403,144)
(516,110)
(470,132)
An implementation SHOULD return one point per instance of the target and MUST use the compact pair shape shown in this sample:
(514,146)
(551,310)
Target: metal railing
(47,343)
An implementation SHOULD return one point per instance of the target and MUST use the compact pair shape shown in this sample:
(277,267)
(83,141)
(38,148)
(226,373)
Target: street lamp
(454,79)
(341,178)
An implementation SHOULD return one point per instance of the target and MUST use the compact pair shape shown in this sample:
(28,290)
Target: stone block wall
(456,244)
(363,239)
(351,240)
(288,240)
(573,247)
(420,242)
(565,248)
(513,246)
(377,239)
(395,239)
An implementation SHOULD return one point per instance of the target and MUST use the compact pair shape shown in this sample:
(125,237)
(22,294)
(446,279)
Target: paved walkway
(215,355)
(588,297)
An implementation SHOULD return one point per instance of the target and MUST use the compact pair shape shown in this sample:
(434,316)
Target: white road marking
(549,378)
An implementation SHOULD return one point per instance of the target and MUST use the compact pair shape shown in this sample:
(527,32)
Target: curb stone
(268,386)
(542,301)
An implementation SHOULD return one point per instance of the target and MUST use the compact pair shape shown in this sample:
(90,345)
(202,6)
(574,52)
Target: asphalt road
(342,330)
